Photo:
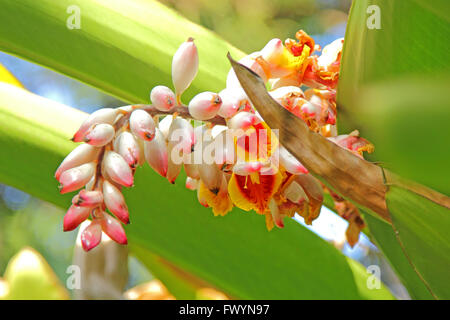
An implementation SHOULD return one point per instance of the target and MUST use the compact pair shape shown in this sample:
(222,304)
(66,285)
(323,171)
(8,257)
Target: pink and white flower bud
(74,217)
(105,115)
(233,100)
(184,66)
(294,193)
(243,120)
(181,135)
(290,163)
(155,152)
(88,199)
(162,98)
(81,154)
(174,166)
(191,168)
(247,168)
(92,235)
(191,184)
(76,178)
(99,135)
(211,176)
(164,126)
(113,228)
(142,125)
(117,169)
(250,62)
(115,202)
(127,146)
(276,216)
(205,105)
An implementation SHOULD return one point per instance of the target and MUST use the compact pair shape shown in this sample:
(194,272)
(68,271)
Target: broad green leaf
(235,254)
(122,48)
(393,89)
(423,231)
(403,65)
(384,237)
(29,277)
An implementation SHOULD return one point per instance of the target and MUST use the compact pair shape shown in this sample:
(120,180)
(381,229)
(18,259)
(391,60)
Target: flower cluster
(232,158)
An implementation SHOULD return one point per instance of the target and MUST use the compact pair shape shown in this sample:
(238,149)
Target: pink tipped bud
(76,178)
(92,235)
(174,164)
(113,229)
(205,105)
(117,169)
(142,125)
(191,184)
(106,115)
(127,146)
(290,163)
(233,100)
(82,154)
(162,98)
(275,211)
(247,168)
(74,216)
(156,153)
(99,134)
(211,176)
(184,66)
(115,202)
(243,120)
(88,199)
(250,62)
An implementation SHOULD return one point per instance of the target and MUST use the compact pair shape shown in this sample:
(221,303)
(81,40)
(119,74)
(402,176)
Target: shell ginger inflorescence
(232,158)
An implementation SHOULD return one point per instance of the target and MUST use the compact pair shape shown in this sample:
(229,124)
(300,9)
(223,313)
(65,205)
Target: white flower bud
(290,163)
(81,154)
(184,66)
(205,105)
(76,178)
(164,126)
(191,184)
(127,146)
(115,202)
(106,115)
(181,135)
(117,169)
(211,176)
(243,120)
(233,99)
(162,98)
(142,125)
(99,134)
(156,153)
(87,198)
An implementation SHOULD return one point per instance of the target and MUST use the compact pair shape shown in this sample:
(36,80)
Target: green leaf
(235,253)
(384,237)
(393,86)
(423,232)
(124,49)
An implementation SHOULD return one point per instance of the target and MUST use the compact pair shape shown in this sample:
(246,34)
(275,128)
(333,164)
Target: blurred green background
(248,25)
